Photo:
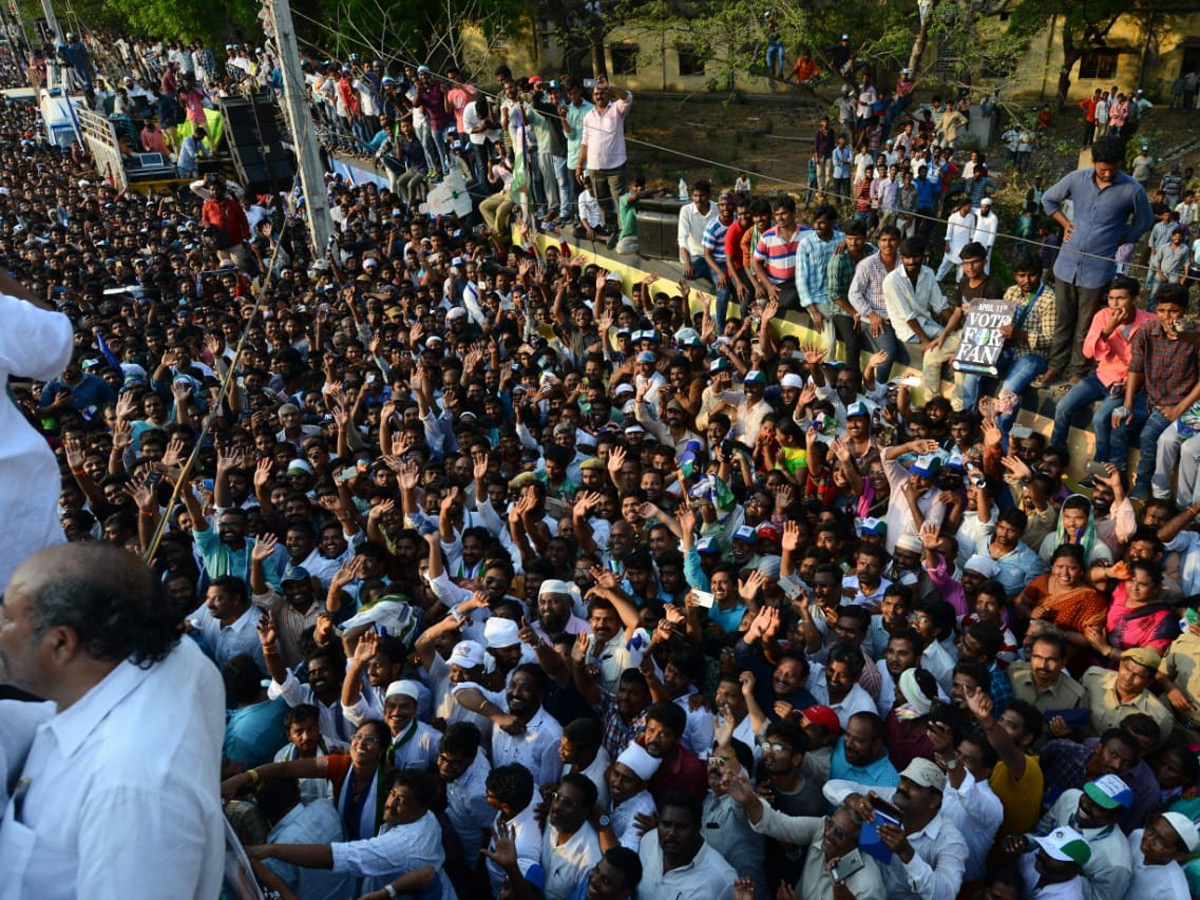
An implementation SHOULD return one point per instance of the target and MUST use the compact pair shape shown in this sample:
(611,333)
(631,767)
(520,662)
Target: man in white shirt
(918,310)
(85,626)
(406,857)
(570,845)
(1095,812)
(1158,851)
(969,802)
(676,862)
(986,227)
(295,822)
(36,342)
(227,623)
(959,228)
(526,734)
(929,853)
(693,219)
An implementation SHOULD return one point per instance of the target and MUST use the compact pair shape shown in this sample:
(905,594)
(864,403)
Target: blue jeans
(1019,376)
(886,342)
(775,58)
(1111,445)
(1156,423)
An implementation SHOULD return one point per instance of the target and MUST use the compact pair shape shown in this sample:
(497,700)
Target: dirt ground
(772,137)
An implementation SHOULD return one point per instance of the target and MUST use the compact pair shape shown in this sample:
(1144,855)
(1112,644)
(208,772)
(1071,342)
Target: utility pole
(52,20)
(312,173)
(16,14)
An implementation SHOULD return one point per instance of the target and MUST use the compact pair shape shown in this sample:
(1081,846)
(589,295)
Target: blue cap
(755,377)
(646,356)
(706,545)
(294,573)
(746,533)
(927,466)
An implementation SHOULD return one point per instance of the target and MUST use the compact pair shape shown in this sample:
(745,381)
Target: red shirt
(229,217)
(1089,109)
(733,245)
(685,773)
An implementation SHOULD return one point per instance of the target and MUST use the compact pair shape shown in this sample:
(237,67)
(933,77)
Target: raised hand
(264,548)
(791,536)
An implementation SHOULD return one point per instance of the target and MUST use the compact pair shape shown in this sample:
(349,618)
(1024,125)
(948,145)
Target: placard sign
(982,341)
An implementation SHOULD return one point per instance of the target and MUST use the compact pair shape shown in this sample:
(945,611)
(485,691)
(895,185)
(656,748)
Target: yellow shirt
(1022,799)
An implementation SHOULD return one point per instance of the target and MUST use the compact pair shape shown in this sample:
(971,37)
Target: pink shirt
(1112,355)
(604,135)
(459,97)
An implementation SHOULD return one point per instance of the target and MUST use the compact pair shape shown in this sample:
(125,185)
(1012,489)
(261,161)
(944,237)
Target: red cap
(822,715)
(535,79)
(767,531)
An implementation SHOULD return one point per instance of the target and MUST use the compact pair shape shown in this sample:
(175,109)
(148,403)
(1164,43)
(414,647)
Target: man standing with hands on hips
(1110,209)
(603,150)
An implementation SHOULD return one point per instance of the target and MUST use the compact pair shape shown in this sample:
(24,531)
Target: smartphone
(911,381)
(790,587)
(1020,432)
(704,598)
(846,866)
(1097,468)
(346,474)
(886,811)
(153,479)
(589,82)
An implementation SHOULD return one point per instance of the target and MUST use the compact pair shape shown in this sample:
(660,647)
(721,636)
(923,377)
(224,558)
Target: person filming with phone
(834,869)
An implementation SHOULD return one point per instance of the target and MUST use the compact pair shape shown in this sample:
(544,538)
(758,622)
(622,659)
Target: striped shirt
(777,255)
(714,240)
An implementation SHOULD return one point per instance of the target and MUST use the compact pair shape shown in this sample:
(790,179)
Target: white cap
(467,655)
(910,542)
(986,201)
(637,759)
(792,380)
(554,586)
(501,633)
(984,565)
(1185,828)
(457,313)
(405,687)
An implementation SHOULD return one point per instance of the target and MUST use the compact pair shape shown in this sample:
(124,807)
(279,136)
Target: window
(624,59)
(1099,64)
(691,61)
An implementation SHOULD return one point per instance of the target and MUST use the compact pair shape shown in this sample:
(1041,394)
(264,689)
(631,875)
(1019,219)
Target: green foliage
(214,21)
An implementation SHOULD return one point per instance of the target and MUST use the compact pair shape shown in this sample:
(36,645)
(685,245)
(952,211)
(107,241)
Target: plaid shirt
(1001,691)
(841,274)
(866,288)
(1169,369)
(812,269)
(1064,766)
(617,735)
(1040,322)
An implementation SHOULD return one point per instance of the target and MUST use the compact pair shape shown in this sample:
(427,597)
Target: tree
(1080,27)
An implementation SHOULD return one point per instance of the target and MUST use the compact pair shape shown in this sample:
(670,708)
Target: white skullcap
(637,760)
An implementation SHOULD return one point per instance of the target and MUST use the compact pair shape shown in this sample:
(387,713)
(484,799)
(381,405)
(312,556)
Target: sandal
(1045,380)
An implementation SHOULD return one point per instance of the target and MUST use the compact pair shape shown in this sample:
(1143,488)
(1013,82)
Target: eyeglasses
(366,739)
(776,747)
(563,800)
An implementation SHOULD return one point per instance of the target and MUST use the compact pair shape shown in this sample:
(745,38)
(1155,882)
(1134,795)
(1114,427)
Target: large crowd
(475,570)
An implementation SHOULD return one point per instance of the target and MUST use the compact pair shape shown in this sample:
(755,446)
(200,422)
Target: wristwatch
(951,764)
(391,891)
(604,821)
